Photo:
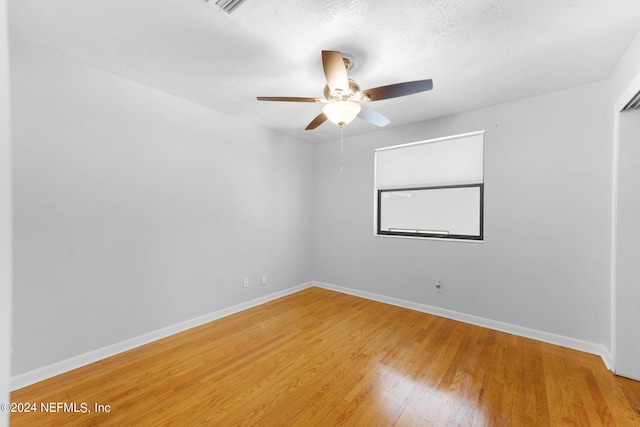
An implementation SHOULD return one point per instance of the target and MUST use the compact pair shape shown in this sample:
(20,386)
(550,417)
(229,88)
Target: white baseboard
(563,341)
(46,372)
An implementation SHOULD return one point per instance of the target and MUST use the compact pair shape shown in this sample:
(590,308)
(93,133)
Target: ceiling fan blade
(398,89)
(288,99)
(320,119)
(372,116)
(335,71)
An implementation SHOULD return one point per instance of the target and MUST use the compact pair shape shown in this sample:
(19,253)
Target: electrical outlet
(245,282)
(439,287)
(264,279)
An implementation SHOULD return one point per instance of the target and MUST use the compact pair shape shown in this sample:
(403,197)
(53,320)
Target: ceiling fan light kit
(343,97)
(341,112)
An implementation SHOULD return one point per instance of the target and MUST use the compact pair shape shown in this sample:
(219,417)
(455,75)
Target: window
(432,189)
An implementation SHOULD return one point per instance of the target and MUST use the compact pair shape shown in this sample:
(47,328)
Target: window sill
(438,239)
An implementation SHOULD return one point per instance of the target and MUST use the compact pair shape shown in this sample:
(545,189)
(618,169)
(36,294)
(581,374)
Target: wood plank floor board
(321,358)
(631,392)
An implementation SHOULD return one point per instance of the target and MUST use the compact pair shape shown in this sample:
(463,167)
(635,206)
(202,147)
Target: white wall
(135,210)
(5,216)
(545,261)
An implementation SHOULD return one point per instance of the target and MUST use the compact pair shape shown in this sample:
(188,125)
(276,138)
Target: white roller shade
(445,161)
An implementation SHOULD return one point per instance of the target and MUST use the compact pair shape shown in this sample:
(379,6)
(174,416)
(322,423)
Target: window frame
(479,237)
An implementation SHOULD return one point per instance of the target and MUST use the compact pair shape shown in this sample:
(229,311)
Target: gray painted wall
(545,260)
(5,217)
(135,210)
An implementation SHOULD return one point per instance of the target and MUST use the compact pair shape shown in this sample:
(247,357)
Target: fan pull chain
(341,147)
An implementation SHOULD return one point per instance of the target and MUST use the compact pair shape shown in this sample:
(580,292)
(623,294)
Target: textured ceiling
(478,52)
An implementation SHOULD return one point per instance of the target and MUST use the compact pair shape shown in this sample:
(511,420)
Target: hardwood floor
(631,390)
(321,358)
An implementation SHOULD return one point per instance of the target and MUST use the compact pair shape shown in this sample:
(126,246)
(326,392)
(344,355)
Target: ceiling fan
(343,99)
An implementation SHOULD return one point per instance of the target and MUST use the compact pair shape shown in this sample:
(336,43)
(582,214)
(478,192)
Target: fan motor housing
(353,89)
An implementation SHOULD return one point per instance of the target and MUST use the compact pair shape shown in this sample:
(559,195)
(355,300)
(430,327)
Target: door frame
(620,103)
